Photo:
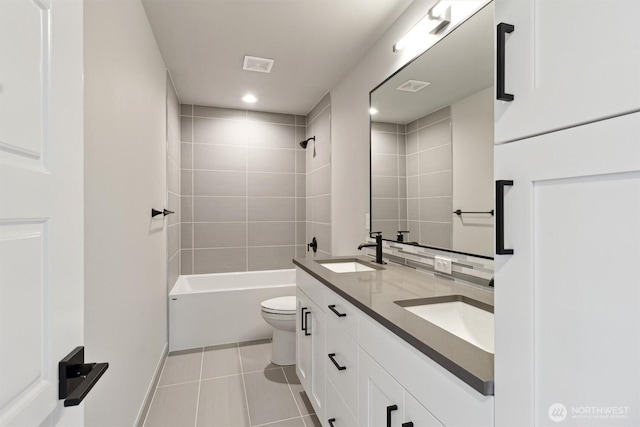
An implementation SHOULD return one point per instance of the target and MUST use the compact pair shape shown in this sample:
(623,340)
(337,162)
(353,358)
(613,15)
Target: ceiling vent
(412,86)
(260,65)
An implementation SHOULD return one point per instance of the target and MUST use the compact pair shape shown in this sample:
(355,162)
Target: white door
(303,340)
(317,329)
(568,62)
(41,206)
(567,302)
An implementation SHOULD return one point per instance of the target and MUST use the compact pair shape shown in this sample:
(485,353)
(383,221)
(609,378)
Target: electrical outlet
(442,264)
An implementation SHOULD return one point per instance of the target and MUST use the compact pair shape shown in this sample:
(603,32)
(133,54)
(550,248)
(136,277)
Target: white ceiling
(458,66)
(314,44)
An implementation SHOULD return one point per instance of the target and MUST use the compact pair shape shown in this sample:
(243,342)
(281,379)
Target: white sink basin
(466,321)
(346,267)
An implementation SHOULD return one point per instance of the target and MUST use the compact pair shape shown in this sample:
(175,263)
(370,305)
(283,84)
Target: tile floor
(232,385)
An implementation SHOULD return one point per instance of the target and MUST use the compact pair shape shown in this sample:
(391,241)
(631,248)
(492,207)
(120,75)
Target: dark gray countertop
(374,292)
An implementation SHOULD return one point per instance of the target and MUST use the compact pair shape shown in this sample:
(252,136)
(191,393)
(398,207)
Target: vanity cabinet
(371,368)
(567,317)
(310,350)
(567,63)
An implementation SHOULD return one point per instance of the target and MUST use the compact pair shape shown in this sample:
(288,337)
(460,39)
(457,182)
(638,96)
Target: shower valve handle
(313,245)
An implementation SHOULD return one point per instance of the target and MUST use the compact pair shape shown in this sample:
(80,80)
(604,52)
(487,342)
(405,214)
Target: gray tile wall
(429,179)
(242,192)
(389,178)
(318,182)
(173,186)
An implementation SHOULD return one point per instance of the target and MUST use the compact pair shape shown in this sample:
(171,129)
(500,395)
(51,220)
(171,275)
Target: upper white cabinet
(567,62)
(567,302)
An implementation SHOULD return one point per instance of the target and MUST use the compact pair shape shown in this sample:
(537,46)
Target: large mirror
(432,145)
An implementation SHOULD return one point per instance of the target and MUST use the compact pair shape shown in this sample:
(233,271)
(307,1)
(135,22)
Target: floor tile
(222,403)
(220,361)
(182,366)
(256,356)
(269,397)
(173,406)
(298,392)
(295,422)
(311,421)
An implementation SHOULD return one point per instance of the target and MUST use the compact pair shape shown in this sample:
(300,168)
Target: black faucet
(377,245)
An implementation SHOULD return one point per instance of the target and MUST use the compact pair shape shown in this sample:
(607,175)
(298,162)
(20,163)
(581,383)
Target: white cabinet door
(41,206)
(303,340)
(568,62)
(567,302)
(381,397)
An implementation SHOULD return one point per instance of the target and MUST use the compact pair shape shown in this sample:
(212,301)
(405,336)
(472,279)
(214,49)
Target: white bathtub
(211,309)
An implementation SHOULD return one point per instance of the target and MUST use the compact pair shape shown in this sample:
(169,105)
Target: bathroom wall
(318,179)
(125,168)
(242,192)
(173,185)
(429,179)
(473,188)
(389,178)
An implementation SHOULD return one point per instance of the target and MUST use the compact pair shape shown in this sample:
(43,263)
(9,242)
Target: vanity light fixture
(249,99)
(373,111)
(438,17)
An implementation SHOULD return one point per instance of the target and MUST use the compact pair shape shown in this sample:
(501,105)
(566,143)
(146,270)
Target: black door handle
(337,365)
(500,249)
(331,421)
(390,409)
(306,323)
(76,378)
(503,30)
(302,318)
(332,307)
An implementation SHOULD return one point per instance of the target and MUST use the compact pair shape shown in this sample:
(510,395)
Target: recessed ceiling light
(249,99)
(373,111)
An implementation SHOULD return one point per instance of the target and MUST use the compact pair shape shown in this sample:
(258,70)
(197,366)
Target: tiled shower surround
(242,189)
(319,176)
(173,185)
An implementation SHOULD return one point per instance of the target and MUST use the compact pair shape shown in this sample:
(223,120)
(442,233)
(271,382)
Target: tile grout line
(292,395)
(199,387)
(244,384)
(278,422)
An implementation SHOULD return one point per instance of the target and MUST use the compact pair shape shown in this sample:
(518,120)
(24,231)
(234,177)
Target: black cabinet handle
(332,307)
(331,421)
(500,249)
(306,323)
(302,318)
(390,409)
(503,30)
(409,424)
(340,368)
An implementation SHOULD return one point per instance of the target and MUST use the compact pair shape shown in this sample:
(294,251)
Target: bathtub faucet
(377,245)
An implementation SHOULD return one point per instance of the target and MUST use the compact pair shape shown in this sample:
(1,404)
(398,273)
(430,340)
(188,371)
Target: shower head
(304,143)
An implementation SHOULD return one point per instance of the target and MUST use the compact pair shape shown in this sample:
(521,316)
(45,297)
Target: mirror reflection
(432,144)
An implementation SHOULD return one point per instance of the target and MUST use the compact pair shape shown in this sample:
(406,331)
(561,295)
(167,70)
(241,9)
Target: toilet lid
(283,305)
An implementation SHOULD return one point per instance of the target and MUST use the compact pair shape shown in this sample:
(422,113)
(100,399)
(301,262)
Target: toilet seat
(280,305)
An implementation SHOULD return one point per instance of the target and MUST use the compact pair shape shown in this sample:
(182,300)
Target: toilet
(281,314)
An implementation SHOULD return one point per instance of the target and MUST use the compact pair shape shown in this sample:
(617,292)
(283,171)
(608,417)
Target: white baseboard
(146,403)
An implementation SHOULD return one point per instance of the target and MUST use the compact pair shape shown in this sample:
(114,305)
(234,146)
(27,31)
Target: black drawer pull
(503,29)
(302,310)
(409,424)
(340,368)
(306,323)
(500,249)
(332,307)
(331,421)
(390,409)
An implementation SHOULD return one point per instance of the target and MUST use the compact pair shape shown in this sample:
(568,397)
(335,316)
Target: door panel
(41,208)
(568,63)
(378,391)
